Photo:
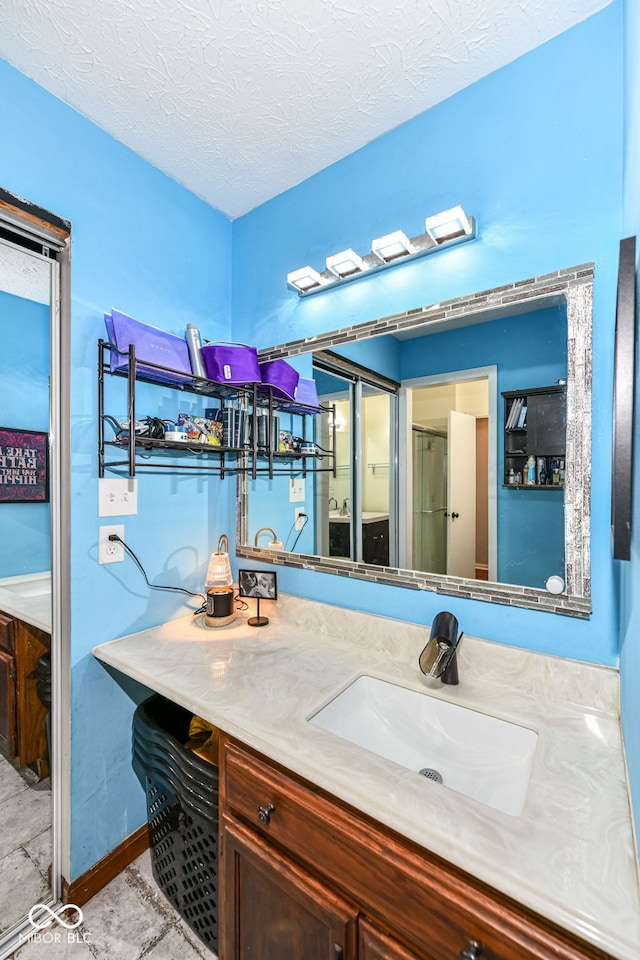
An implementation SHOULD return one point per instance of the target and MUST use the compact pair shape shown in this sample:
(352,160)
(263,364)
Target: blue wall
(534,152)
(143,244)
(25,529)
(630,572)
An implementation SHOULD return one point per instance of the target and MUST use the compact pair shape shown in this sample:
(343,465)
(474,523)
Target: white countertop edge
(35,611)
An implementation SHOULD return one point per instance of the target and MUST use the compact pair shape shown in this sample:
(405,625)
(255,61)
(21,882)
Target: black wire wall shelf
(218,460)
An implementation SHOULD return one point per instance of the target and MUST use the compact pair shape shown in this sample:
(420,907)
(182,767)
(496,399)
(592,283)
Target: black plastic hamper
(182,812)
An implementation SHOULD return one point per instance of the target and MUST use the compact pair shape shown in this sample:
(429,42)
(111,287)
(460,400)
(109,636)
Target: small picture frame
(261,584)
(24,466)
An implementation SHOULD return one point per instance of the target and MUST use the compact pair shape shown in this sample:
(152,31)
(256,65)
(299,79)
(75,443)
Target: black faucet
(438,660)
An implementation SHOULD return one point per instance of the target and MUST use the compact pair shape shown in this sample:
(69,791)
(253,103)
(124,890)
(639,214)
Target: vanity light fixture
(345,263)
(275,544)
(392,245)
(448,224)
(305,279)
(446,229)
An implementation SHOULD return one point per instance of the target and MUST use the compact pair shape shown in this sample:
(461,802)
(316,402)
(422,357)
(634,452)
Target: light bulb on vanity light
(448,224)
(392,245)
(306,278)
(345,263)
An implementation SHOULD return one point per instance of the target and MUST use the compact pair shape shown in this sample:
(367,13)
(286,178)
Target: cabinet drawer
(434,907)
(6,633)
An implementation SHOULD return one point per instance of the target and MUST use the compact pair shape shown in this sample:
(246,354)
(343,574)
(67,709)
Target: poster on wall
(24,466)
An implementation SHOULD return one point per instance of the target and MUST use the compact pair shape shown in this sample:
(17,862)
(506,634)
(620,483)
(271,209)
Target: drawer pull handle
(472,951)
(337,952)
(264,813)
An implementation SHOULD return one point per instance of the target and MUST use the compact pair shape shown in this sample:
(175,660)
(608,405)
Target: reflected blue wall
(25,528)
(529,350)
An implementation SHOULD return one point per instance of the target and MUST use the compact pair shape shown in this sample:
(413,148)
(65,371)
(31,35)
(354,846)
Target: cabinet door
(7,705)
(30,644)
(270,908)
(373,944)
(546,424)
(375,542)
(6,633)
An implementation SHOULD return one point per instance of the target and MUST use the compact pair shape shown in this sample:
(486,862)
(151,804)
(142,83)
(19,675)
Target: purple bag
(281,376)
(306,397)
(232,363)
(151,344)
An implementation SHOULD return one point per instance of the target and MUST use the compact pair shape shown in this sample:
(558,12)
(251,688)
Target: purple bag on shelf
(306,398)
(151,344)
(233,363)
(281,376)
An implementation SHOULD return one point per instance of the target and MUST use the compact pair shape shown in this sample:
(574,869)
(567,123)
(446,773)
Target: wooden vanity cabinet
(280,909)
(23,737)
(322,869)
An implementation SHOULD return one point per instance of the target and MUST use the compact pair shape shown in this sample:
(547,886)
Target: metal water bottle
(194,344)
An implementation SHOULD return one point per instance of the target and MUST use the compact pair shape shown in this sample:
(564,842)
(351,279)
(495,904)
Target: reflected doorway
(449,512)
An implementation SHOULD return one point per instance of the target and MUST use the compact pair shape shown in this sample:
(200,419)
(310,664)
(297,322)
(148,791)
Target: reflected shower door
(429,501)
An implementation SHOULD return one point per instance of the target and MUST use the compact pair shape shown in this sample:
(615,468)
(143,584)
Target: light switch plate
(296,490)
(117,497)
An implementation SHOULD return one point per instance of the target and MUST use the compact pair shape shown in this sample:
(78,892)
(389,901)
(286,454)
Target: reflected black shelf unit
(535,424)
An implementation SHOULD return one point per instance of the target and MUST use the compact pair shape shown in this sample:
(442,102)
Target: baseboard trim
(102,872)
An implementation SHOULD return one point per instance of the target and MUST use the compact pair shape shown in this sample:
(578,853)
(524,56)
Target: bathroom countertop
(569,856)
(28,597)
(368,516)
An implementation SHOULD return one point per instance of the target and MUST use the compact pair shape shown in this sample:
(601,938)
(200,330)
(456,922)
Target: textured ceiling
(240,99)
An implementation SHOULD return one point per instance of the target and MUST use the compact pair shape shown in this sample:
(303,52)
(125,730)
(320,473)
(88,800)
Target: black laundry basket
(182,812)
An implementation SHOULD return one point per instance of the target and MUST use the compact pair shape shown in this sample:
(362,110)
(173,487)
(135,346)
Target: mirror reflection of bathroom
(430,470)
(25,590)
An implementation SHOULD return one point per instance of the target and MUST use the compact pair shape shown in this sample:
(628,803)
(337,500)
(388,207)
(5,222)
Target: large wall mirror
(33,268)
(461,435)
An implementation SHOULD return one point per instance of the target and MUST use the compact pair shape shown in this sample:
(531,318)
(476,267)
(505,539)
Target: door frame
(36,223)
(405,474)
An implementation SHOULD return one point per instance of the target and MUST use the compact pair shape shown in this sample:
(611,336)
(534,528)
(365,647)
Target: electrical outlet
(296,490)
(110,551)
(117,497)
(300,517)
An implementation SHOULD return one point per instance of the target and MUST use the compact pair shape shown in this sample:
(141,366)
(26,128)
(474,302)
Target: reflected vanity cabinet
(535,424)
(23,738)
(303,875)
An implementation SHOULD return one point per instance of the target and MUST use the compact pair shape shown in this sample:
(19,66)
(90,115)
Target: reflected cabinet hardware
(246,426)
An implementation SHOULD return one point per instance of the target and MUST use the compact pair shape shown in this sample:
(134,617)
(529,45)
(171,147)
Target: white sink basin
(477,755)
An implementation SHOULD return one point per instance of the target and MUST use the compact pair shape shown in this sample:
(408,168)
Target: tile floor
(25,842)
(129,919)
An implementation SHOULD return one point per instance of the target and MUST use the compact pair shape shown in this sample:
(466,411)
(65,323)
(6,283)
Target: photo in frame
(261,584)
(24,466)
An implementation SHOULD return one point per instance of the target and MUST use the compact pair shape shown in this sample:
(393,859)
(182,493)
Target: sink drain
(431,774)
